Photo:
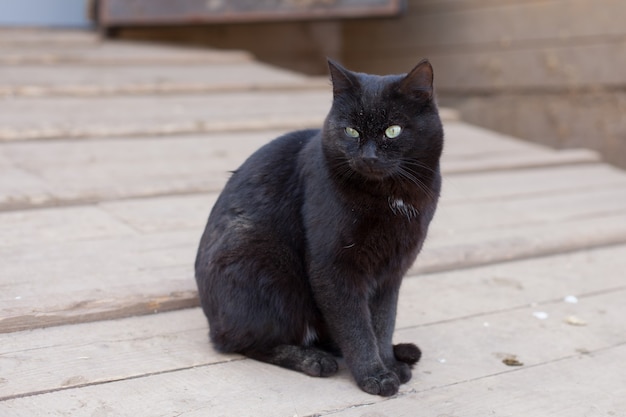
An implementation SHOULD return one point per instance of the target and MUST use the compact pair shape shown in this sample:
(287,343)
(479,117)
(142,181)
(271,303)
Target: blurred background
(549,71)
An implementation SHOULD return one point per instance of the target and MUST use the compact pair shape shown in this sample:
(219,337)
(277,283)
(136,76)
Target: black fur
(305,249)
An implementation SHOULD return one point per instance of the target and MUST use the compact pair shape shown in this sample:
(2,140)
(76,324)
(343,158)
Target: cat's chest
(384,230)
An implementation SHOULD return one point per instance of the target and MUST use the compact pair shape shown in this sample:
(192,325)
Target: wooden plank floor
(111,156)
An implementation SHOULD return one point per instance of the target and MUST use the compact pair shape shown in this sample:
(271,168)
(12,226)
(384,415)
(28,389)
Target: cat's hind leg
(309,360)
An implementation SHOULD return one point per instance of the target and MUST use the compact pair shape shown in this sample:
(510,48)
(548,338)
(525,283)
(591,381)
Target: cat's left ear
(419,82)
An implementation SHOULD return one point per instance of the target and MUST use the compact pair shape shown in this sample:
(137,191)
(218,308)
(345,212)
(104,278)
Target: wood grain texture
(47,174)
(98,309)
(456,356)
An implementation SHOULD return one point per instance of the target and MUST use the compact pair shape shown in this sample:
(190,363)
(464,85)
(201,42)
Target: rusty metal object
(168,12)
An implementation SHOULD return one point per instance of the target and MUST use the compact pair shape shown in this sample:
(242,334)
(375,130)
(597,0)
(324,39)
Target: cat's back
(262,197)
(270,173)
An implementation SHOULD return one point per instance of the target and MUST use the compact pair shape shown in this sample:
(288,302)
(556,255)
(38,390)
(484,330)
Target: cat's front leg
(383,308)
(347,314)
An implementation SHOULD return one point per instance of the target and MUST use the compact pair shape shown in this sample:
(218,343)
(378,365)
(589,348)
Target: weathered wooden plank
(46,174)
(81,117)
(466,205)
(72,80)
(537,181)
(454,354)
(506,286)
(464,232)
(104,351)
(510,198)
(575,386)
(528,210)
(69,171)
(114,54)
(28,37)
(23,228)
(589,384)
(79,270)
(96,279)
(472,248)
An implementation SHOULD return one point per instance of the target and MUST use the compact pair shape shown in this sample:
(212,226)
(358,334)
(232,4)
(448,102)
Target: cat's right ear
(343,80)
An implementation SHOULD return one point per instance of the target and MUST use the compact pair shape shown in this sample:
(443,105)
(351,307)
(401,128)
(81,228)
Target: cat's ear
(419,82)
(343,80)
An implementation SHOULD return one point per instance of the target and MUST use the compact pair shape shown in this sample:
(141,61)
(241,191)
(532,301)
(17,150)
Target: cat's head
(383,127)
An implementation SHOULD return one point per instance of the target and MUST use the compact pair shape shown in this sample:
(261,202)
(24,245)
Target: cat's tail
(407,353)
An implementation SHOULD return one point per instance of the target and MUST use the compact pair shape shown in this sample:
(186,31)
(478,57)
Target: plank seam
(113,380)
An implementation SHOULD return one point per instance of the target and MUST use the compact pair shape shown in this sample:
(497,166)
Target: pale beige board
(469,190)
(526,160)
(462,235)
(455,352)
(83,280)
(66,171)
(448,249)
(162,214)
(498,186)
(104,351)
(62,172)
(501,287)
(474,347)
(25,37)
(581,385)
(458,211)
(463,140)
(114,277)
(454,214)
(115,53)
(83,117)
(37,80)
(535,209)
(19,188)
(517,226)
(239,388)
(36,227)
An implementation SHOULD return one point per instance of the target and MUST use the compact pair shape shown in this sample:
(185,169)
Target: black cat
(305,249)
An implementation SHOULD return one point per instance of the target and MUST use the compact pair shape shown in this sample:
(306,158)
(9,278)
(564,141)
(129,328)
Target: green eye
(393,131)
(353,133)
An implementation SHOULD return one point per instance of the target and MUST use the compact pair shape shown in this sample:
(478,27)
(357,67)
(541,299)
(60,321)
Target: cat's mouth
(371,168)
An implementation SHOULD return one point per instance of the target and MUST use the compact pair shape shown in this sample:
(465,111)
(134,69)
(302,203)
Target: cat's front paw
(402,370)
(385,384)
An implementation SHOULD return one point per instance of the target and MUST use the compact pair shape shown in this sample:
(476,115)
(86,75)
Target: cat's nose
(368,154)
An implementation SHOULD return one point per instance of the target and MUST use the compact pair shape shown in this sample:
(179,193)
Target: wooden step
(142,356)
(156,240)
(112,54)
(41,174)
(98,81)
